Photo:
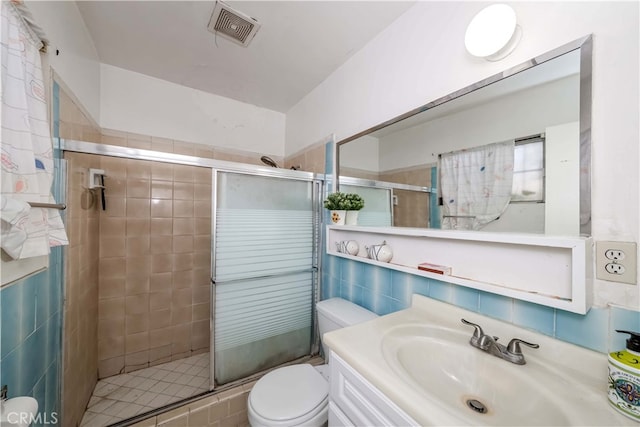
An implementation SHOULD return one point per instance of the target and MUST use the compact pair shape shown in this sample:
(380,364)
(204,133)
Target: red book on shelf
(435,268)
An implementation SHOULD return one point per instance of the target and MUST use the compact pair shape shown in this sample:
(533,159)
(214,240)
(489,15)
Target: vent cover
(233,25)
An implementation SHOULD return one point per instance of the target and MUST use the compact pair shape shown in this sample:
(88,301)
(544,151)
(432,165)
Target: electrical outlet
(616,261)
(614,254)
(614,268)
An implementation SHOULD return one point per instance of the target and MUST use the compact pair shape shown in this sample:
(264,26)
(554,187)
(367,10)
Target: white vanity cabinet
(354,401)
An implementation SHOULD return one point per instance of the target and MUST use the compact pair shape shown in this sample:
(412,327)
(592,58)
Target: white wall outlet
(616,261)
(614,268)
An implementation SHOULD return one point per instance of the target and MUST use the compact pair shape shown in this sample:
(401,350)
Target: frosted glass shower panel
(263,272)
(264,226)
(377,205)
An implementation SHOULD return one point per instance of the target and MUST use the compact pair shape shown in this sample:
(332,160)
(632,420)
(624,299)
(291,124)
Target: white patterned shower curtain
(25,144)
(476,185)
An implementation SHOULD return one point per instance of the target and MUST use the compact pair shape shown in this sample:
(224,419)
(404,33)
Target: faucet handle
(514,346)
(478,332)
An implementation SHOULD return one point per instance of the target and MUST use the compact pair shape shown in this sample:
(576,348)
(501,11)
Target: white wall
(421,57)
(142,104)
(363,154)
(517,115)
(77,64)
(562,177)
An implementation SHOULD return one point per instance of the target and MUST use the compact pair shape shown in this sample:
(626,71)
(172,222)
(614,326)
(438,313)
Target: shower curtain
(26,144)
(476,185)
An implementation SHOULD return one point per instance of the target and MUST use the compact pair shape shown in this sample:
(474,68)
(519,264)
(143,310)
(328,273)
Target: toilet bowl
(298,395)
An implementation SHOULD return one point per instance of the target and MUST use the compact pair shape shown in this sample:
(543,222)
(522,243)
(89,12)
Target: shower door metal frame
(386,185)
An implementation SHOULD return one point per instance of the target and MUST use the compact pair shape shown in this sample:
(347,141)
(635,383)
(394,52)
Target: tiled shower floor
(123,396)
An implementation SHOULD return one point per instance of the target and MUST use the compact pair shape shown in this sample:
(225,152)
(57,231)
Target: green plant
(354,202)
(344,201)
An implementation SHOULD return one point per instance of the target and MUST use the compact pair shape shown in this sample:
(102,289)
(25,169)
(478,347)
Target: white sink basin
(471,384)
(420,358)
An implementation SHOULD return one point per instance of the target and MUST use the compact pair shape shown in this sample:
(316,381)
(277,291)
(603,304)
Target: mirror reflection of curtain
(476,185)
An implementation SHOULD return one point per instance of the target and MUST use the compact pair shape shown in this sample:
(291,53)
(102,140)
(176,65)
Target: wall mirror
(541,108)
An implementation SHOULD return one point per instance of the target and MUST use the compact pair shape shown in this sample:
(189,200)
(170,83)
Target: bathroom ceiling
(299,44)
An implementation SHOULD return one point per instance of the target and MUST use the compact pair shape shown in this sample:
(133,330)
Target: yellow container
(624,377)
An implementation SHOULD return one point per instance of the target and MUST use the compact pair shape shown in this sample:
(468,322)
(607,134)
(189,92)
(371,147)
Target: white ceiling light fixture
(493,33)
(232,24)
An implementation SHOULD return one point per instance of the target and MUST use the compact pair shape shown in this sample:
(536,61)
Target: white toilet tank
(336,313)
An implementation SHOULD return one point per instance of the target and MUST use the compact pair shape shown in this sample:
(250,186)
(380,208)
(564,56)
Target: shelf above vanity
(548,270)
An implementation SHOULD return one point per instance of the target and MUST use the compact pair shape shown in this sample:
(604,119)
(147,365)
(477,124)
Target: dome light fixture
(493,33)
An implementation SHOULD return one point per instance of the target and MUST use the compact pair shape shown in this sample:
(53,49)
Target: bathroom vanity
(354,401)
(416,367)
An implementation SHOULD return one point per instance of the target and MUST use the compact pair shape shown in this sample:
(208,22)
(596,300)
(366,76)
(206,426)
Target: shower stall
(207,273)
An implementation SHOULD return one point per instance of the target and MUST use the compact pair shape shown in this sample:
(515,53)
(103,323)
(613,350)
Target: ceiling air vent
(233,25)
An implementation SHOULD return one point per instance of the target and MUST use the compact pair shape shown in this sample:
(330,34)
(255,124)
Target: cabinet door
(360,401)
(337,418)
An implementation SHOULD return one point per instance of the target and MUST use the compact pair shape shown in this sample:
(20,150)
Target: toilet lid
(289,392)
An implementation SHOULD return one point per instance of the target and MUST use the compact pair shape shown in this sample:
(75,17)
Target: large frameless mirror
(511,153)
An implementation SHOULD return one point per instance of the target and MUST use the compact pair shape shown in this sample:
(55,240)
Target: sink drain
(477,406)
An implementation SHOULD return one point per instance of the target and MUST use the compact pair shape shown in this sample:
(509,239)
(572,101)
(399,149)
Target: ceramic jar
(380,252)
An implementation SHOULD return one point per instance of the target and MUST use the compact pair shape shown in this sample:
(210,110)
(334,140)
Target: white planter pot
(338,217)
(352,218)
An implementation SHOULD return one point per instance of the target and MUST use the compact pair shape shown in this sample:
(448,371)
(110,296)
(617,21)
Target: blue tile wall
(384,291)
(30,337)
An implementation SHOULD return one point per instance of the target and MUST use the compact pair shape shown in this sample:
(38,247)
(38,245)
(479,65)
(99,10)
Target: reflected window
(528,171)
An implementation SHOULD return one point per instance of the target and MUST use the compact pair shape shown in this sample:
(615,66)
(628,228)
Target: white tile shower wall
(384,291)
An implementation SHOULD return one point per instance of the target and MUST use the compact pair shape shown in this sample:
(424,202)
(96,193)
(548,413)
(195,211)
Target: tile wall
(310,159)
(412,209)
(30,322)
(81,289)
(154,271)
(228,408)
(80,344)
(384,291)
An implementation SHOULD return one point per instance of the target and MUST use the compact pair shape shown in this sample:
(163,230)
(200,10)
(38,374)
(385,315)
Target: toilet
(298,395)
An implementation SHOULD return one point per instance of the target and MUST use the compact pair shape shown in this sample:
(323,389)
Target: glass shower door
(377,211)
(264,272)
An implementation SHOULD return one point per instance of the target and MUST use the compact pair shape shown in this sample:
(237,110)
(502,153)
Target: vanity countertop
(579,397)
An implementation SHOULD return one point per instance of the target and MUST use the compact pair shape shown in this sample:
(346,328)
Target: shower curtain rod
(517,141)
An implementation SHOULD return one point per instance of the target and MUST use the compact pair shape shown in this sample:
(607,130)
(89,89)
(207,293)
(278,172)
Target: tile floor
(123,396)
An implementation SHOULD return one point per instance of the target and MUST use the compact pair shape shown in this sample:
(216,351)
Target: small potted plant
(354,203)
(343,206)
(336,203)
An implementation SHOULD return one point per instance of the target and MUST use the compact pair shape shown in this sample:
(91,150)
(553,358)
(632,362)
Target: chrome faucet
(511,352)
